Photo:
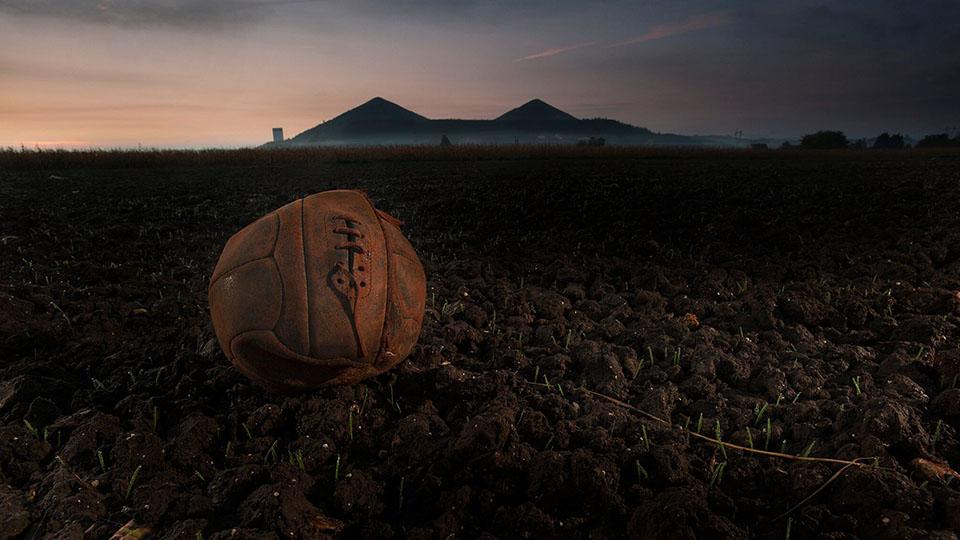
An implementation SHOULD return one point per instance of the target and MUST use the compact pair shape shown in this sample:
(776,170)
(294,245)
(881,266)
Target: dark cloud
(151,12)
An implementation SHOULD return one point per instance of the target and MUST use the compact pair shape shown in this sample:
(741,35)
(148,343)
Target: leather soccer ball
(323,291)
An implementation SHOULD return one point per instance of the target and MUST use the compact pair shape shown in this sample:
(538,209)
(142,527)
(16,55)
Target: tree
(885,140)
(940,140)
(825,140)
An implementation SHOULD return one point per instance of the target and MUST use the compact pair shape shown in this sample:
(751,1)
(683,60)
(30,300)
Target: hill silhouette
(378,122)
(536,110)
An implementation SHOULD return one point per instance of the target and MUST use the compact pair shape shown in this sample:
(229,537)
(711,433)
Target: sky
(222,73)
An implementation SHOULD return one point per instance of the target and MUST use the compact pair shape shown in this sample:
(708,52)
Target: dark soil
(816,296)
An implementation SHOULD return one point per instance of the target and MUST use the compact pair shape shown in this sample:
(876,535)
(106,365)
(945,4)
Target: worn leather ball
(323,291)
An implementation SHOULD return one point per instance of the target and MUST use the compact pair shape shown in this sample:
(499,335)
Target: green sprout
(272,451)
(30,428)
(936,433)
(716,476)
(808,449)
(749,438)
(759,411)
(719,435)
(336,470)
(700,423)
(766,443)
(132,482)
(856,384)
(645,439)
(641,472)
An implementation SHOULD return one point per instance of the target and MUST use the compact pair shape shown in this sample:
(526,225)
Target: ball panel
(292,328)
(255,241)
(406,297)
(268,362)
(335,330)
(245,298)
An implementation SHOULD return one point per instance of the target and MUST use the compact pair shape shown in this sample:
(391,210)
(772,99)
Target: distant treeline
(832,140)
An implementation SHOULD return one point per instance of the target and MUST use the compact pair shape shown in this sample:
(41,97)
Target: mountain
(535,111)
(373,118)
(381,122)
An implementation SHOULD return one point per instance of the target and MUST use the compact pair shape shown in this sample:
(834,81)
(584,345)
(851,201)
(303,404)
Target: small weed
(132,482)
(700,423)
(246,429)
(641,472)
(786,535)
(856,384)
(336,470)
(271,452)
(103,464)
(936,433)
(759,411)
(808,449)
(392,401)
(676,357)
(779,399)
(363,404)
(766,443)
(716,475)
(403,481)
(796,397)
(350,424)
(719,435)
(30,428)
(649,354)
(645,439)
(156,416)
(749,438)
(226,452)
(199,475)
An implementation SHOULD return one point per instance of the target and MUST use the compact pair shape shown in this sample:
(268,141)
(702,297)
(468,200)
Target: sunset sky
(191,73)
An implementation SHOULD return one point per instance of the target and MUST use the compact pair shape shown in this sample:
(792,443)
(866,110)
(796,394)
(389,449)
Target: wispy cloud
(555,51)
(703,21)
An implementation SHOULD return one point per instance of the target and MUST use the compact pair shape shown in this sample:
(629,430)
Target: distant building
(277,134)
